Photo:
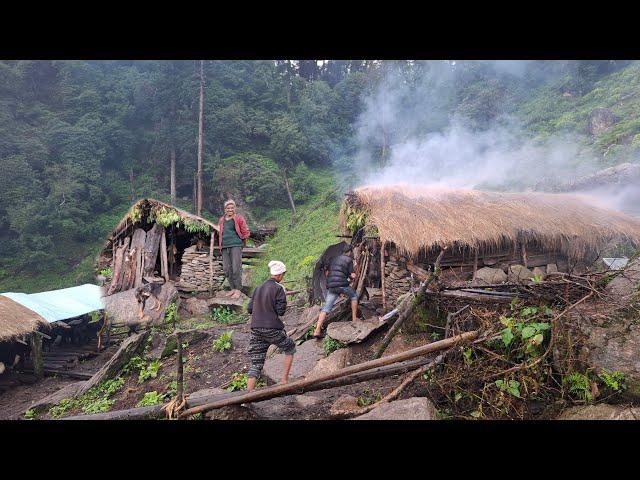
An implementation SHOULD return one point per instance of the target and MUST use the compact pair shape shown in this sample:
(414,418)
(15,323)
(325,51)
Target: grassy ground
(300,244)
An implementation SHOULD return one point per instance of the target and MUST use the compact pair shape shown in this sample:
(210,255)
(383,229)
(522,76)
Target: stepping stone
(345,405)
(415,408)
(305,358)
(334,362)
(353,332)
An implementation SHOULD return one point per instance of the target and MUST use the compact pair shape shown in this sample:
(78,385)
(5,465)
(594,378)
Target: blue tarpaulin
(61,304)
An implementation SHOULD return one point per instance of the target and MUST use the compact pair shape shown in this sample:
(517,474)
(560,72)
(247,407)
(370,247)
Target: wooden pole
(382,275)
(524,256)
(200,140)
(163,256)
(36,355)
(173,174)
(475,264)
(180,376)
(211,243)
(301,385)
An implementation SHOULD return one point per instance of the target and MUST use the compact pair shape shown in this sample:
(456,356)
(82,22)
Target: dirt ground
(206,368)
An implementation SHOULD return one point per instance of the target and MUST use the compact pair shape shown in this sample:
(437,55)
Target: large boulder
(334,362)
(601,120)
(415,408)
(344,406)
(304,360)
(490,276)
(353,332)
(601,411)
(539,272)
(519,274)
(196,306)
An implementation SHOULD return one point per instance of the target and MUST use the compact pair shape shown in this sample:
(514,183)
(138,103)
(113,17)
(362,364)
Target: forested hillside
(80,140)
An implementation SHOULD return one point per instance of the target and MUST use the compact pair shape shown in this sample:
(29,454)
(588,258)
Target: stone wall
(397,278)
(195,271)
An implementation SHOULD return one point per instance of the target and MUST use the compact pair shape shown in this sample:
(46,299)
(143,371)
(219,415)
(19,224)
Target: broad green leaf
(528,331)
(538,339)
(507,337)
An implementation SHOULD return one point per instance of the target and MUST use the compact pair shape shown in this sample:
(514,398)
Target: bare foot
(284,380)
(236,294)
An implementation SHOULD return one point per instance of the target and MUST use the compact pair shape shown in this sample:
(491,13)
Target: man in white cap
(268,303)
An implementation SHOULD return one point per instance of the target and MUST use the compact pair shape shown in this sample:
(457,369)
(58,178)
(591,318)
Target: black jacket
(268,302)
(340,270)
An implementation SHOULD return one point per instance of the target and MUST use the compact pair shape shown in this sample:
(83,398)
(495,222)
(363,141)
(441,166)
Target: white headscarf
(276,267)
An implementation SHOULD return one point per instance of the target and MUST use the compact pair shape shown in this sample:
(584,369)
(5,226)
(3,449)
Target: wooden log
(475,264)
(151,247)
(421,273)
(36,356)
(139,413)
(164,269)
(116,279)
(127,349)
(180,370)
(407,306)
(303,385)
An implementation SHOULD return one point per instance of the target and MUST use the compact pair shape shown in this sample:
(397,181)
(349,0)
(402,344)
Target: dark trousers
(232,264)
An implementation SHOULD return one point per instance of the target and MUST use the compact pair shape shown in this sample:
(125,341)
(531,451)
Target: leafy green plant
(368,398)
(195,226)
(512,387)
(171,313)
(530,335)
(239,382)
(223,342)
(135,363)
(106,272)
(330,345)
(226,316)
(98,406)
(579,386)
(151,398)
(149,371)
(165,216)
(61,408)
(109,387)
(30,414)
(467,353)
(613,380)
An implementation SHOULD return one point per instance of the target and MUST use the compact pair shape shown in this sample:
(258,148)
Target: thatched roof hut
(418,218)
(17,320)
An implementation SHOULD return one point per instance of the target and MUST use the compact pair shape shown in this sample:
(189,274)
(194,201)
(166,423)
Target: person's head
(229,208)
(277,270)
(347,250)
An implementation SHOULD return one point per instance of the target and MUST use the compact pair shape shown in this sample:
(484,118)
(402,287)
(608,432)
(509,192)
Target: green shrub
(223,342)
(331,345)
(151,398)
(149,371)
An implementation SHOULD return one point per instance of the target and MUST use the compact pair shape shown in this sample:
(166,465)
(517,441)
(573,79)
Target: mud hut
(409,225)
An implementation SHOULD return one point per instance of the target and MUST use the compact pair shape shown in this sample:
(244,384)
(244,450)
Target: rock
(601,411)
(353,332)
(197,306)
(415,408)
(236,303)
(539,273)
(519,274)
(625,284)
(601,120)
(552,268)
(334,362)
(344,405)
(490,276)
(307,400)
(232,412)
(305,358)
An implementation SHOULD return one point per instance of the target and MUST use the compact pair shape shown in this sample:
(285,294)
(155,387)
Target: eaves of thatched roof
(416,218)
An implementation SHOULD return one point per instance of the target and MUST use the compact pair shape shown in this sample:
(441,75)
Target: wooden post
(475,264)
(180,376)
(163,256)
(211,243)
(200,141)
(382,265)
(524,256)
(36,355)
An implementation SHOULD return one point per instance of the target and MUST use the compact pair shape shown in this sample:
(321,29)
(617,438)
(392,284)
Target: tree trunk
(173,175)
(286,184)
(200,140)
(133,190)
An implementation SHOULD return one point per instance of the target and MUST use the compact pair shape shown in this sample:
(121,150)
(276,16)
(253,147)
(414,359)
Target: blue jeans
(332,297)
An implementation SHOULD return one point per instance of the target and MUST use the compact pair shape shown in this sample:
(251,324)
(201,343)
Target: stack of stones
(397,278)
(195,271)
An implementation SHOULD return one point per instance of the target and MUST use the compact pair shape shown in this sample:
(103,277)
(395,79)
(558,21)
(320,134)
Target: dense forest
(81,140)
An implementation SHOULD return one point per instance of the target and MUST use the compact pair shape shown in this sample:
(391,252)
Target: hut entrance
(178,241)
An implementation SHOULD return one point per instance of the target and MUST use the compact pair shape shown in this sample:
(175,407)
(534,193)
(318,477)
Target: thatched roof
(416,218)
(17,320)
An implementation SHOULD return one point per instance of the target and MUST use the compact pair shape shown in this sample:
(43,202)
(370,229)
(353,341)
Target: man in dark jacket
(267,304)
(339,273)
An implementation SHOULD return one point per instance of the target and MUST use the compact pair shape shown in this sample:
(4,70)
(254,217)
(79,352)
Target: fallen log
(153,411)
(127,349)
(302,385)
(408,304)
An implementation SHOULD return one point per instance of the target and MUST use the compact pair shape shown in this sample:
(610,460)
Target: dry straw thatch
(416,218)
(17,320)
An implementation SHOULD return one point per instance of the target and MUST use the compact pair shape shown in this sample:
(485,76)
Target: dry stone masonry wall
(195,271)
